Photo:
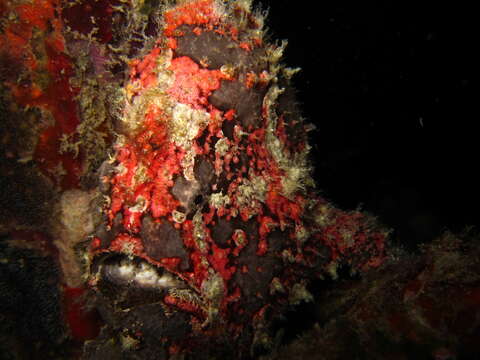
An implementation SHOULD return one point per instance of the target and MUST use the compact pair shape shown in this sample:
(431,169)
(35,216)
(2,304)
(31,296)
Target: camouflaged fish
(203,225)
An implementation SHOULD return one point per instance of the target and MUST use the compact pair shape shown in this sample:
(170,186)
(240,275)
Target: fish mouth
(134,271)
(127,282)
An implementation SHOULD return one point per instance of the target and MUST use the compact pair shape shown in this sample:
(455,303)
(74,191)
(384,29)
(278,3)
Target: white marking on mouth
(141,274)
(125,270)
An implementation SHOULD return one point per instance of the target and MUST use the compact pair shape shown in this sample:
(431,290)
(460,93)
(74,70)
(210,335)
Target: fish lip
(178,289)
(123,270)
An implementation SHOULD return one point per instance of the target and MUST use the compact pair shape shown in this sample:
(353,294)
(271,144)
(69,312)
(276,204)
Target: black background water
(390,88)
